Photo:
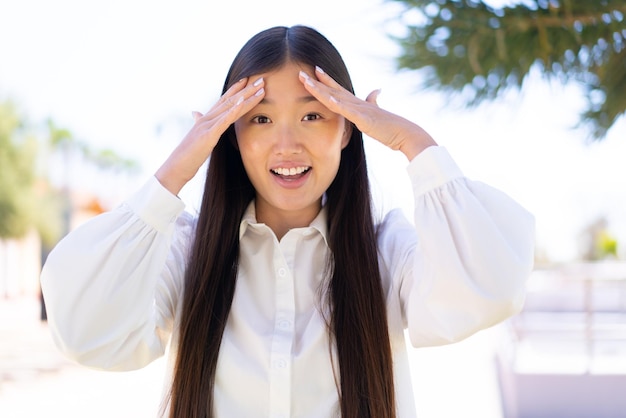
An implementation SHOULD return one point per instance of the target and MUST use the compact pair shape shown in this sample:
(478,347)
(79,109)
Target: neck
(281,221)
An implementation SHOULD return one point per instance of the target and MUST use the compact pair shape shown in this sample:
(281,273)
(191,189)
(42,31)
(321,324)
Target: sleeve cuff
(432,168)
(155,205)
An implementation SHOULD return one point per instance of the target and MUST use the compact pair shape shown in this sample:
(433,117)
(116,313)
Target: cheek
(334,142)
(244,142)
(247,136)
(247,156)
(253,156)
(251,151)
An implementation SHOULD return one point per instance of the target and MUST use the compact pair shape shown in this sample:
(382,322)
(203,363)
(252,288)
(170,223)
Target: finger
(326,79)
(336,98)
(196,115)
(235,88)
(229,98)
(230,114)
(363,113)
(373,97)
(234,97)
(243,93)
(327,95)
(246,101)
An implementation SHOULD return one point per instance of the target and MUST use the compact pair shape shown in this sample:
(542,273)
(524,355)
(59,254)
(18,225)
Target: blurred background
(527,95)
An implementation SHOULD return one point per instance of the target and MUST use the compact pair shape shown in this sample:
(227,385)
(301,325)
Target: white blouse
(113,289)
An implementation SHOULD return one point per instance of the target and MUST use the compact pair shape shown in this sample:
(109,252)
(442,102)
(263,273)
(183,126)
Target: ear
(347,133)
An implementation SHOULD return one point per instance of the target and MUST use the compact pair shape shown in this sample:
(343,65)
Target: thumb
(373,96)
(196,115)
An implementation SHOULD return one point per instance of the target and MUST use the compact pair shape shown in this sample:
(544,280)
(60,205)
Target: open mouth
(290,173)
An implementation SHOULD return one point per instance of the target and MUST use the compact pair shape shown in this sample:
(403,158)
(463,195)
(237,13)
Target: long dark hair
(357,320)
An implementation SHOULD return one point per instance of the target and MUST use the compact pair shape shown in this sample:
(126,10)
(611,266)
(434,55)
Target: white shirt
(113,289)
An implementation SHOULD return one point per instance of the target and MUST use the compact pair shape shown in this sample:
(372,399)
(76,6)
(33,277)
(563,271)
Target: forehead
(284,82)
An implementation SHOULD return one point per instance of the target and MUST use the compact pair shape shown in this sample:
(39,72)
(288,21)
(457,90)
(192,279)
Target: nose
(287,141)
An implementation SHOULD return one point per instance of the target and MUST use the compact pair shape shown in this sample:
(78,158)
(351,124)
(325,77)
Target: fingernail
(260,92)
(332,99)
(239,101)
(196,115)
(258,82)
(319,69)
(307,79)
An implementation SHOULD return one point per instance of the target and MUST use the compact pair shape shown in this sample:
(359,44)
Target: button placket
(283,335)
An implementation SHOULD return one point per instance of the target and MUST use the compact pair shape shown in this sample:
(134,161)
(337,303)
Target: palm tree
(17,173)
(480,50)
(63,142)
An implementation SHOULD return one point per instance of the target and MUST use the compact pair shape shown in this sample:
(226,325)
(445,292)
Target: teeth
(290,171)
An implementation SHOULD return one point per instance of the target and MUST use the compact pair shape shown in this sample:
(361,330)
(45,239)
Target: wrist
(414,145)
(170,180)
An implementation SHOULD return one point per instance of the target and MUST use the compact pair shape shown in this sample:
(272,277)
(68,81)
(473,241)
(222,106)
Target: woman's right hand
(187,158)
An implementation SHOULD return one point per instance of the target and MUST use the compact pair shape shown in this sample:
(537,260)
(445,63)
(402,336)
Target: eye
(311,116)
(261,119)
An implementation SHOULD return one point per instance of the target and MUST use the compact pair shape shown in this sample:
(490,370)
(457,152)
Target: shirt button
(284,324)
(280,364)
(282,272)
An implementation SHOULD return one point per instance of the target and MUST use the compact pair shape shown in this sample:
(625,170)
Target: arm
(197,145)
(111,286)
(464,265)
(467,265)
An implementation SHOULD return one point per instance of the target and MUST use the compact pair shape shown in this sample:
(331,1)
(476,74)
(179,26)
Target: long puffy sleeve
(463,265)
(112,286)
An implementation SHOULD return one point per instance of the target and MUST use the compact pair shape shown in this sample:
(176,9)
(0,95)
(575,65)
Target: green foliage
(27,200)
(17,174)
(50,221)
(606,246)
(478,50)
(597,242)
(107,159)
(62,140)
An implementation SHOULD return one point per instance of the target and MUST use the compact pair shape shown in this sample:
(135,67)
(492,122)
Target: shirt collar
(249,220)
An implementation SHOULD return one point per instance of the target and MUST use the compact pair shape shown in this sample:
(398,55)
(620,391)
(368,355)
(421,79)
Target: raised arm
(463,266)
(112,286)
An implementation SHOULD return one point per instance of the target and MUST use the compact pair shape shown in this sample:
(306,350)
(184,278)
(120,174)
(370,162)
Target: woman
(283,297)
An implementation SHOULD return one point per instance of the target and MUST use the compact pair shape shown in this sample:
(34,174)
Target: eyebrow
(303,99)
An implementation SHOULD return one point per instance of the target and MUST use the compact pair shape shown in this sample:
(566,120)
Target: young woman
(284,298)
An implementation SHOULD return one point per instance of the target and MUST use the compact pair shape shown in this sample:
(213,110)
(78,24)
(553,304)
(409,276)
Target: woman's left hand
(390,129)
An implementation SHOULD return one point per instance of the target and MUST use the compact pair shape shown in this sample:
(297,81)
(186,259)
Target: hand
(197,145)
(390,129)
